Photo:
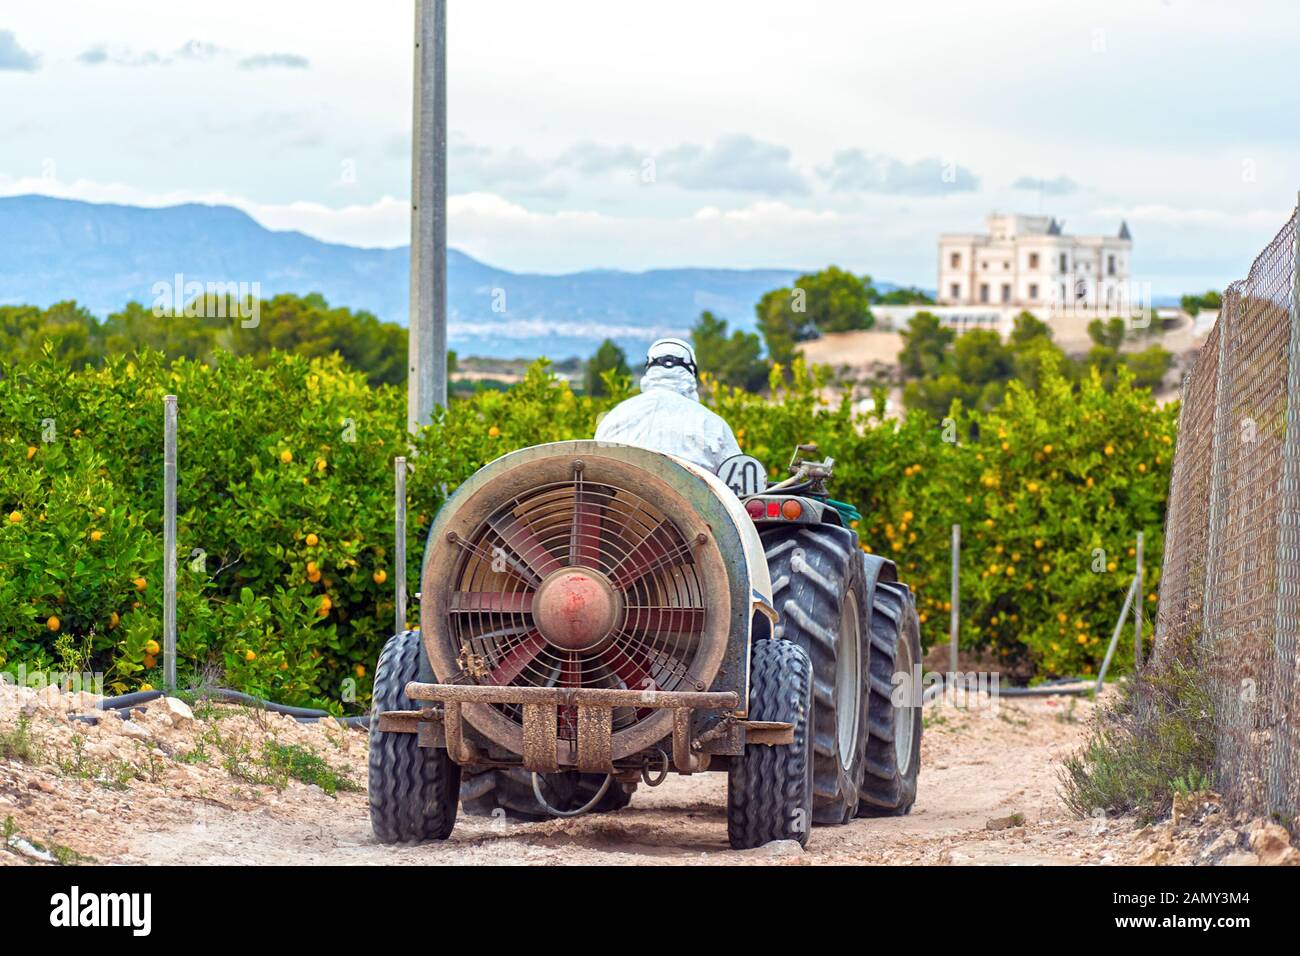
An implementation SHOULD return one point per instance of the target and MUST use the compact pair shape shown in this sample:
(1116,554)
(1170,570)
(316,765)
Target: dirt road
(170,789)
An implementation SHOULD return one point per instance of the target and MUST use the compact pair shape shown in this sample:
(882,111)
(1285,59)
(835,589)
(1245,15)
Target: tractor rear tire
(770,787)
(511,789)
(894,747)
(820,595)
(412,789)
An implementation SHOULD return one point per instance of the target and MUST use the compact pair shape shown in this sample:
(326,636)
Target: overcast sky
(636,135)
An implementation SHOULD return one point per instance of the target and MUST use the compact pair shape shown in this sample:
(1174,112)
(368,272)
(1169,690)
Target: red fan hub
(575,609)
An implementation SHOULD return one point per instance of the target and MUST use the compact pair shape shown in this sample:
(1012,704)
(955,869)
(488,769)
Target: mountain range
(104,255)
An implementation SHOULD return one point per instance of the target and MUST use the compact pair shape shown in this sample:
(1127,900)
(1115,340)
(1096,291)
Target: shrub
(1154,742)
(285,464)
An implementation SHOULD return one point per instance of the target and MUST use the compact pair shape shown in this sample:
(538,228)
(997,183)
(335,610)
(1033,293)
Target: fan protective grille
(602,531)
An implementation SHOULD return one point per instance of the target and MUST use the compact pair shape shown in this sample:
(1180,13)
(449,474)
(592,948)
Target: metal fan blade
(649,621)
(519,657)
(498,602)
(654,551)
(523,542)
(588,518)
(629,666)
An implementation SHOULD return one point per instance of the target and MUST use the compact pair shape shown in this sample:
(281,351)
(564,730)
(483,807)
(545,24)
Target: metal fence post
(1284,792)
(399,550)
(169,542)
(1137,610)
(955,617)
(1114,638)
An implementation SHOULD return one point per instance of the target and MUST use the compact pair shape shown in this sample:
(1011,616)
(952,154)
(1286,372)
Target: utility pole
(427,331)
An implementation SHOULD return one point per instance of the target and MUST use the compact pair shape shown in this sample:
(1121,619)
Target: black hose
(129,700)
(302,714)
(221,693)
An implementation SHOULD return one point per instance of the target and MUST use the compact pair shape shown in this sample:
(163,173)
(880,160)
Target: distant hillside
(106,255)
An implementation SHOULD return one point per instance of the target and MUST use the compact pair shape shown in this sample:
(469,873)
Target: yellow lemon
(15,517)
(312,540)
(31,452)
(494,432)
(52,623)
(146,687)
(150,660)
(96,535)
(250,656)
(151,647)
(286,456)
(380,576)
(359,670)
(140,584)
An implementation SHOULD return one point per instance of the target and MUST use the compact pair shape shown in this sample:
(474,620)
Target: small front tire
(770,787)
(413,790)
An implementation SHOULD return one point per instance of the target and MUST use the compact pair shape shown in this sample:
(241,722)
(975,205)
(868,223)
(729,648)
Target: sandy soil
(161,792)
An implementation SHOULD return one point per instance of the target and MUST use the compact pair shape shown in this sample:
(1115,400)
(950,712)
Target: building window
(984,291)
(1006,265)
(1033,260)
(954,260)
(1110,265)
(1063,296)
(984,265)
(1065,264)
(1006,292)
(955,290)
(1033,291)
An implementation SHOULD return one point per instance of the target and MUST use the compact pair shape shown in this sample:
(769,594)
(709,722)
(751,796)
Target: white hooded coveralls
(667,416)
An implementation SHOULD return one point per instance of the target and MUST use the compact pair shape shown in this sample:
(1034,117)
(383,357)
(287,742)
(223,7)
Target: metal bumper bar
(594,720)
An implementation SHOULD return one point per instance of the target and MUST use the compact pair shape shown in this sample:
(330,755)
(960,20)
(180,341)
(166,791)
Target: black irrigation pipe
(1052,688)
(122,705)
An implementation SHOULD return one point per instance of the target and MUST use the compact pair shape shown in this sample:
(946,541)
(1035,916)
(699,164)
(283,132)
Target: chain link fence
(1230,585)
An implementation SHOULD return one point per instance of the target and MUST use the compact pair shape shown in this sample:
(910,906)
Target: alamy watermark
(71,681)
(208,300)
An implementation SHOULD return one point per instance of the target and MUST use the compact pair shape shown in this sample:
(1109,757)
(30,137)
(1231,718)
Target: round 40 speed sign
(743,474)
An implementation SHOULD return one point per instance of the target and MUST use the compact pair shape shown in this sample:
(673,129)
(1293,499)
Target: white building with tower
(1029,262)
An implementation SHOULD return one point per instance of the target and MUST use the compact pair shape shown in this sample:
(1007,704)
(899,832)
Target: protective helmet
(671,353)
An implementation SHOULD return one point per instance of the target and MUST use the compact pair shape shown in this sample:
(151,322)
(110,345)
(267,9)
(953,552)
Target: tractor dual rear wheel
(413,790)
(510,790)
(770,787)
(894,748)
(819,592)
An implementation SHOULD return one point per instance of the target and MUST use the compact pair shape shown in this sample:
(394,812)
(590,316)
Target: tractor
(595,615)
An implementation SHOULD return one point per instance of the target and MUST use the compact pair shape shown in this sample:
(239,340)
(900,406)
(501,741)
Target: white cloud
(13,56)
(853,170)
(1060,186)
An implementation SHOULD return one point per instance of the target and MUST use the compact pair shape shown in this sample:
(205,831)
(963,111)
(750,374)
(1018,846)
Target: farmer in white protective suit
(667,416)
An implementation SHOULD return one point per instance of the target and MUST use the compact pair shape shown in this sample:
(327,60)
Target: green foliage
(285,507)
(939,367)
(902,296)
(1155,742)
(18,742)
(925,345)
(1108,334)
(1192,304)
(609,358)
(305,324)
(735,360)
(1052,480)
(293,761)
(831,300)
